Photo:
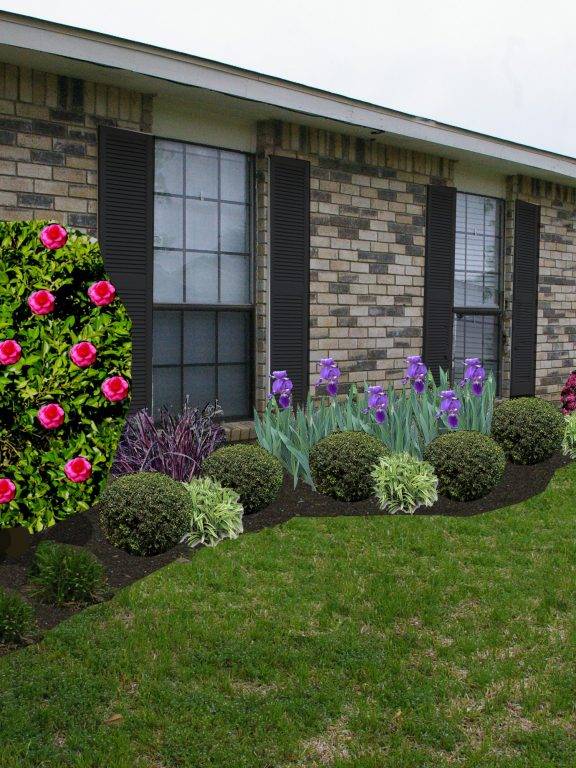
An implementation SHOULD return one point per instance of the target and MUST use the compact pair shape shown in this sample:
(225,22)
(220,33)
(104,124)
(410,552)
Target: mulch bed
(519,484)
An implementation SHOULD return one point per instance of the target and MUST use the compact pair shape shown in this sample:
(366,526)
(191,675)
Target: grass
(410,642)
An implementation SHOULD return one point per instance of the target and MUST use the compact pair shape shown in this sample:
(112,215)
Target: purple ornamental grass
(377,403)
(281,388)
(416,373)
(175,445)
(475,374)
(449,406)
(329,375)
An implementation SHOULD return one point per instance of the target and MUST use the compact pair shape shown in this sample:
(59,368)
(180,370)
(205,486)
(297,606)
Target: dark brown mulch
(519,483)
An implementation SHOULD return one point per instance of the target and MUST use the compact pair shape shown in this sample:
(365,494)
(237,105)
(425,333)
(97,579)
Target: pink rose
(53,236)
(10,352)
(115,388)
(78,469)
(7,490)
(41,302)
(102,293)
(50,416)
(83,354)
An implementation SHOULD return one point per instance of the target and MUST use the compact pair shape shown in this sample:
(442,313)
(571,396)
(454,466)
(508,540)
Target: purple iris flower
(281,388)
(449,406)
(475,374)
(377,402)
(330,375)
(416,373)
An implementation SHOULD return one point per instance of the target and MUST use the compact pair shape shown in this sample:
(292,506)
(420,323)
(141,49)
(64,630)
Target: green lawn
(366,642)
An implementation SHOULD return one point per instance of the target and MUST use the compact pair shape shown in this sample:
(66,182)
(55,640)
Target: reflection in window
(477,281)
(202,264)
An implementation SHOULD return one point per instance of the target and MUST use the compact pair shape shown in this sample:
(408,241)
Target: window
(203,314)
(477,281)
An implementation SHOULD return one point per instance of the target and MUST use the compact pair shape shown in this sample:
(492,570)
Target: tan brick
(16,184)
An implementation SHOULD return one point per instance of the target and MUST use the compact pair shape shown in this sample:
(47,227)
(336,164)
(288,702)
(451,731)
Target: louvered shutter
(439,278)
(290,270)
(126,235)
(525,299)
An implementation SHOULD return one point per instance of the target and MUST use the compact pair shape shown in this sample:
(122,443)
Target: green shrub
(529,429)
(145,513)
(16,618)
(64,574)
(569,440)
(33,455)
(216,513)
(248,469)
(341,465)
(468,464)
(402,483)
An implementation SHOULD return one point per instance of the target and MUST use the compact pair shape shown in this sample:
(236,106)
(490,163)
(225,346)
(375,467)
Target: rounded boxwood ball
(248,469)
(529,429)
(468,464)
(341,465)
(145,513)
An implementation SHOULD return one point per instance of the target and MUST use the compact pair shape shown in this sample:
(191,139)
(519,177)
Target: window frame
(497,312)
(247,309)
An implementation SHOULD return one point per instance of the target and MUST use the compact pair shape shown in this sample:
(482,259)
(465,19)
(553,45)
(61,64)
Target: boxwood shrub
(529,429)
(54,461)
(248,469)
(468,464)
(145,513)
(341,465)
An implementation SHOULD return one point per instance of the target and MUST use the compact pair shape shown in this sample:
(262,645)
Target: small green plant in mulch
(215,514)
(62,574)
(529,429)
(16,618)
(569,439)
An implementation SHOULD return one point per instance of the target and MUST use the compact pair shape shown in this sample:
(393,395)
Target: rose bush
(569,395)
(64,373)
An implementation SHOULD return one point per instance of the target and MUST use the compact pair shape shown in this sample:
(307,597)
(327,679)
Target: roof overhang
(151,69)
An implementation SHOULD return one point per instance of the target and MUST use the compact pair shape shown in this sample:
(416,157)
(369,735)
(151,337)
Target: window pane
(168,277)
(233,338)
(234,179)
(234,279)
(200,384)
(199,337)
(234,230)
(475,336)
(167,337)
(168,222)
(201,172)
(166,389)
(201,225)
(233,390)
(202,278)
(169,168)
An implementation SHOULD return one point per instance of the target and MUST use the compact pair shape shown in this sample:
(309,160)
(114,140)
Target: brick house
(253,224)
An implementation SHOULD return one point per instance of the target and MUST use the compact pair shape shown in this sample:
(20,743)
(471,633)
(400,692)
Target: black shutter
(525,299)
(290,270)
(439,278)
(126,235)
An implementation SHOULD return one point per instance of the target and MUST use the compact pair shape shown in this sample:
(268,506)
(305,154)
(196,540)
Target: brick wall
(367,248)
(48,135)
(556,341)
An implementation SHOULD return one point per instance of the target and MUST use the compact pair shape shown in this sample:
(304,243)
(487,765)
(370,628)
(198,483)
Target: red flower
(83,354)
(7,490)
(41,302)
(10,352)
(102,293)
(115,388)
(53,236)
(78,470)
(51,416)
